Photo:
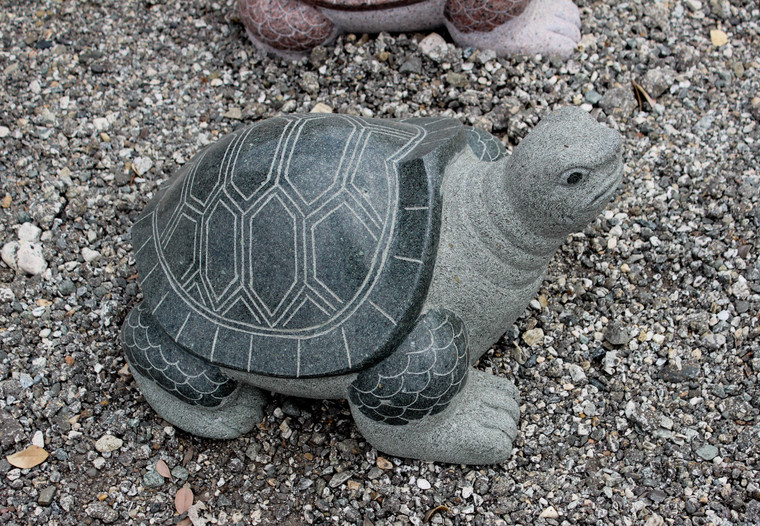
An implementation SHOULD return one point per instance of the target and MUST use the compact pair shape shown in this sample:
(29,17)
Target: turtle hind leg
(288,28)
(185,390)
(425,402)
(515,27)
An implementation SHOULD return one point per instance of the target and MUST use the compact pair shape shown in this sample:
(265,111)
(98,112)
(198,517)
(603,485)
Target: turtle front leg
(289,28)
(515,27)
(425,402)
(185,390)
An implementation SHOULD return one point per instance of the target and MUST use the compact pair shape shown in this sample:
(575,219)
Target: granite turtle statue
(291,28)
(332,256)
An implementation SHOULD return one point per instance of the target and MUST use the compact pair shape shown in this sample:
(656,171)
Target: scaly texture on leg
(478,427)
(285,26)
(421,377)
(425,402)
(185,390)
(150,351)
(482,15)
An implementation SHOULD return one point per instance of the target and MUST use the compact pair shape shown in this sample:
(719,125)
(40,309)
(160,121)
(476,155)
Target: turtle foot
(191,393)
(548,27)
(238,413)
(479,427)
(288,28)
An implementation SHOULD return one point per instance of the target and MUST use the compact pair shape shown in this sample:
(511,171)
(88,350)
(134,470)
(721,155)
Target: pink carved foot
(287,28)
(515,27)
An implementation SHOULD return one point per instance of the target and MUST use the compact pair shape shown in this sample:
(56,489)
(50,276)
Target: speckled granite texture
(381,257)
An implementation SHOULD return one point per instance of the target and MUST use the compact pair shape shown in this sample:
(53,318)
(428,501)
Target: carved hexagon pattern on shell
(281,243)
(291,216)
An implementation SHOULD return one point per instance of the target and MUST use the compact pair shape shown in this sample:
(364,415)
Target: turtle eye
(574,176)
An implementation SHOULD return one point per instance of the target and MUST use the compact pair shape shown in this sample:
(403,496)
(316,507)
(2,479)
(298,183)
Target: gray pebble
(616,334)
(102,511)
(66,287)
(180,472)
(412,65)
(45,497)
(152,479)
(707,452)
(339,478)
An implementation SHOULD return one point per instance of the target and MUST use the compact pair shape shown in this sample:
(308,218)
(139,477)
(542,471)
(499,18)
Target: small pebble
(142,165)
(38,439)
(321,107)
(433,46)
(549,513)
(533,337)
(101,124)
(29,232)
(707,452)
(90,255)
(152,479)
(24,257)
(102,511)
(108,443)
(46,495)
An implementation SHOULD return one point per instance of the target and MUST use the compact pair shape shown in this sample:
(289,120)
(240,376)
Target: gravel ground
(638,362)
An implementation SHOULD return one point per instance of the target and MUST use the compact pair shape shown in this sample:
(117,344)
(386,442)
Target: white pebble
(433,45)
(38,439)
(89,254)
(6,295)
(108,443)
(423,484)
(4,132)
(101,123)
(34,86)
(29,232)
(549,513)
(26,380)
(321,107)
(142,165)
(25,257)
(694,5)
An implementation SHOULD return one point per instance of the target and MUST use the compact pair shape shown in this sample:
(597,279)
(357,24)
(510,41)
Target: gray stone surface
(462,233)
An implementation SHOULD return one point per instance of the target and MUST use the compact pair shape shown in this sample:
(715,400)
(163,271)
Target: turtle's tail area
(186,391)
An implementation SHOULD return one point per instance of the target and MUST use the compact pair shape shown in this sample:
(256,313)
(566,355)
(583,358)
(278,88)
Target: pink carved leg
(286,27)
(509,27)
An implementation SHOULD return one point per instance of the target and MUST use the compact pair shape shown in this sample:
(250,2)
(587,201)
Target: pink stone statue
(291,28)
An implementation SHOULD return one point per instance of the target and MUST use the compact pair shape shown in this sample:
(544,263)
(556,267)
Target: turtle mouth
(605,193)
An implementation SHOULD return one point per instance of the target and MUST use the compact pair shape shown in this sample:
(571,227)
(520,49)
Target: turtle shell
(301,246)
(361,5)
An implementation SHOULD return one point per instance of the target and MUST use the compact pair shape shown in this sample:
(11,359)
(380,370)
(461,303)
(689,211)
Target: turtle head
(563,173)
